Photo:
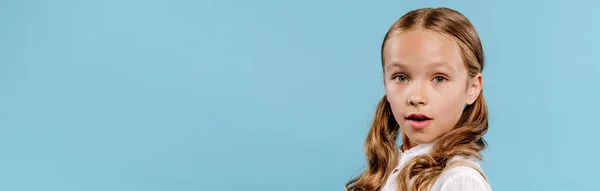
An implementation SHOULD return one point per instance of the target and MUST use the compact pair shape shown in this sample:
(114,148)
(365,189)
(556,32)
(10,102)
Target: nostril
(416,100)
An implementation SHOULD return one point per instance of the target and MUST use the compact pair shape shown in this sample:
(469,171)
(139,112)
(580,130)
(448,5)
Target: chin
(421,138)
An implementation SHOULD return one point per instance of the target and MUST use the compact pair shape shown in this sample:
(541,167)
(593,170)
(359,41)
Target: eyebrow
(443,65)
(395,65)
(433,65)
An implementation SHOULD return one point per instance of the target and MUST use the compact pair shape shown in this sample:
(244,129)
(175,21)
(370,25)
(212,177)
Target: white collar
(423,149)
(414,152)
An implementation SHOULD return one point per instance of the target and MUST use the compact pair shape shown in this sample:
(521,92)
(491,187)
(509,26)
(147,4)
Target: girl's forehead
(422,48)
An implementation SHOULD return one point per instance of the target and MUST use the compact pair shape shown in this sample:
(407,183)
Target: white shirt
(459,178)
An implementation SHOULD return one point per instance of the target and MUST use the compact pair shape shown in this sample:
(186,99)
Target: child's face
(426,83)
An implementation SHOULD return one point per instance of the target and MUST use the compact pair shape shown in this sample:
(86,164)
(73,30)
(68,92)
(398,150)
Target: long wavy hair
(465,138)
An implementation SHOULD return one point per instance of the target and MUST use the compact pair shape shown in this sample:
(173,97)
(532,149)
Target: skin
(425,74)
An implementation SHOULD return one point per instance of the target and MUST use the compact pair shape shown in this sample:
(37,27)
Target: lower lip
(418,125)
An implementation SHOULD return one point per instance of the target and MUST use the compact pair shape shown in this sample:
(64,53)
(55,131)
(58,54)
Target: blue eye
(439,79)
(401,78)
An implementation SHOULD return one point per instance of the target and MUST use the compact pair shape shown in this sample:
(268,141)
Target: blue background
(271,95)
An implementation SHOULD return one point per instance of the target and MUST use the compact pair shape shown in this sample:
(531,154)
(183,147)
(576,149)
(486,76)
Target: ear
(474,88)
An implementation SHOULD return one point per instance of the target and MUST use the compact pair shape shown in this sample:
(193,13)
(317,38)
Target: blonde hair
(465,138)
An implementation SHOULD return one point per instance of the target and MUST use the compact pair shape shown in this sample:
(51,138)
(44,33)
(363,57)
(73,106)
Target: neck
(407,144)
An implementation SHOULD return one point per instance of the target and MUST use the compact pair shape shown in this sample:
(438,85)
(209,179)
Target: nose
(416,100)
(417,96)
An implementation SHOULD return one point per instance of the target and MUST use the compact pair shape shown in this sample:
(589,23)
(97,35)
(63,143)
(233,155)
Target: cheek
(396,98)
(449,106)
(393,92)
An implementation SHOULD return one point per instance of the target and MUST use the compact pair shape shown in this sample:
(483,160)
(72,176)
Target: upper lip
(417,116)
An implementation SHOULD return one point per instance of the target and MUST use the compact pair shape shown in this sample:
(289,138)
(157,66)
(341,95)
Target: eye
(401,78)
(439,79)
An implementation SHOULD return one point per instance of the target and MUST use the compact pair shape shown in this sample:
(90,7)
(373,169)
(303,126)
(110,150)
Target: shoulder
(462,178)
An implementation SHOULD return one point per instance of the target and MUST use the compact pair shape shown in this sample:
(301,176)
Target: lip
(418,115)
(418,125)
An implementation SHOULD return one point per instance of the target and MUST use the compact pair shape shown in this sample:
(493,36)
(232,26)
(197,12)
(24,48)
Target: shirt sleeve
(464,179)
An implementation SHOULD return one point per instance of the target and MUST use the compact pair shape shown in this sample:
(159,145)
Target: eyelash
(443,78)
(396,76)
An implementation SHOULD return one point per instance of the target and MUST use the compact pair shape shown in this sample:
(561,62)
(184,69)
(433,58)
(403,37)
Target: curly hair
(465,138)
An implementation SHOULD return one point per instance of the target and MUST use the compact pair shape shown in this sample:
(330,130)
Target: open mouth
(418,121)
(418,117)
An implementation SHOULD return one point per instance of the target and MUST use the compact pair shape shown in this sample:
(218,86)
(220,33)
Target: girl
(432,61)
